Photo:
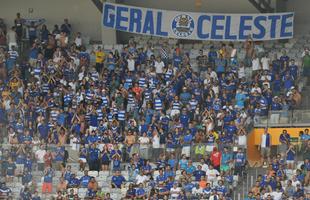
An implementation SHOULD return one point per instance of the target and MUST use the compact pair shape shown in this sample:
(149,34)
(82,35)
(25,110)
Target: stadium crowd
(178,131)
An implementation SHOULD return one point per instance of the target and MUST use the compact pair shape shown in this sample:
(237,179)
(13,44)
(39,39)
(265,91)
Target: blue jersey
(118,180)
(158,104)
(177,60)
(140,192)
(94,154)
(48,177)
(239,159)
(84,180)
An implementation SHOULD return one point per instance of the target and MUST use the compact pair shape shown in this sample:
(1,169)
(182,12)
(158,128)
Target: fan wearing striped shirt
(169,73)
(11,61)
(142,80)
(158,104)
(175,107)
(193,103)
(121,117)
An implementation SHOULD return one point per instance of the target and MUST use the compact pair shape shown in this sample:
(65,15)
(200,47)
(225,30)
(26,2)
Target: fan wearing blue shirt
(161,177)
(36,196)
(93,158)
(169,172)
(184,118)
(73,181)
(172,162)
(93,120)
(221,189)
(117,180)
(187,141)
(190,167)
(177,59)
(199,173)
(275,104)
(290,157)
(116,159)
(25,194)
(288,81)
(163,190)
(185,96)
(293,69)
(183,163)
(26,138)
(61,119)
(239,162)
(284,139)
(43,130)
(60,154)
(240,98)
(220,65)
(284,59)
(67,174)
(207,190)
(299,192)
(27,177)
(84,180)
(226,159)
(212,55)
(28,163)
(140,192)
(92,138)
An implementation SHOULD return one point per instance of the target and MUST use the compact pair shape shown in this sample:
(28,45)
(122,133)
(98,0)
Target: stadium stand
(151,119)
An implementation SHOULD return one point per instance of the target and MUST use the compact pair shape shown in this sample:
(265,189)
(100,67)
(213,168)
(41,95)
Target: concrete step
(73,155)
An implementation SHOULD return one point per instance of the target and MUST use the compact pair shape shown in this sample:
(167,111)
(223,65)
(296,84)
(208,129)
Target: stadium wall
(302,18)
(82,14)
(254,140)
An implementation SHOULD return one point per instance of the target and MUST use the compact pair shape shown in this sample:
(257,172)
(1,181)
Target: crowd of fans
(180,132)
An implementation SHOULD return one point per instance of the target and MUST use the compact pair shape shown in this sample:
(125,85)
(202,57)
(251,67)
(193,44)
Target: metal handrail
(287,118)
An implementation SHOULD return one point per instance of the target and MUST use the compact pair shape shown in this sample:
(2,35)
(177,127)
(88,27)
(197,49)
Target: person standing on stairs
(265,147)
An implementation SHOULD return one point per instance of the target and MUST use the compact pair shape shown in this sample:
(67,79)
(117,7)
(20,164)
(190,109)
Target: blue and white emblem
(183,25)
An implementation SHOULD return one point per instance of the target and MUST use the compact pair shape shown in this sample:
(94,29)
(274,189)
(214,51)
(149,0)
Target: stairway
(247,182)
(305,93)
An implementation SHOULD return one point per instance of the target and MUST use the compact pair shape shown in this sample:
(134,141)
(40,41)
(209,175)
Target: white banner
(198,26)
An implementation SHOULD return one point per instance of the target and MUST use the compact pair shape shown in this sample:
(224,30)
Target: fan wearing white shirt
(144,142)
(233,52)
(265,62)
(256,64)
(242,138)
(212,74)
(196,191)
(212,173)
(78,40)
(256,88)
(155,145)
(241,71)
(131,63)
(159,66)
(277,195)
(40,157)
(175,191)
(141,178)
(295,181)
(204,166)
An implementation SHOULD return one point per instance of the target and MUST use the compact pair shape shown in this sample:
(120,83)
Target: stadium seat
(79,173)
(93,173)
(104,173)
(274,118)
(82,192)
